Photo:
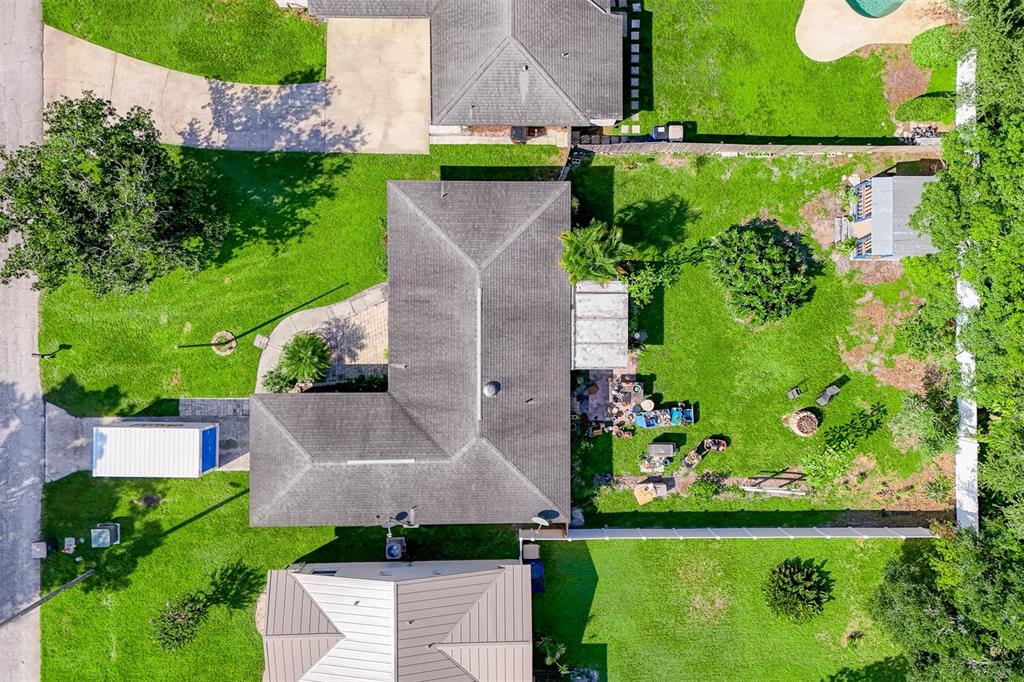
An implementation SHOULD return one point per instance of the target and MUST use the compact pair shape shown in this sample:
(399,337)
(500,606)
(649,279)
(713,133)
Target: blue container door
(209,449)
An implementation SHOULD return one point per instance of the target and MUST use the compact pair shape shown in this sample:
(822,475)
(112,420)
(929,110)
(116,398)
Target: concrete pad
(830,29)
(378,74)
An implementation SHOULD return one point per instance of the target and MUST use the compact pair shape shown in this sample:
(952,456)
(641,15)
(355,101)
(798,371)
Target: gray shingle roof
(572,51)
(476,295)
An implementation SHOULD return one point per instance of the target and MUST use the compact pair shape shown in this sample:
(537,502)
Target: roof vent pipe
(491,388)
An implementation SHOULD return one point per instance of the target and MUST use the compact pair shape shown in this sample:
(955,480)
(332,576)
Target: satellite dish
(541,522)
(401,516)
(549,515)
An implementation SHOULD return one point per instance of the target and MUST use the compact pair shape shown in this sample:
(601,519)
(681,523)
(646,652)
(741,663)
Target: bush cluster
(305,359)
(934,106)
(797,589)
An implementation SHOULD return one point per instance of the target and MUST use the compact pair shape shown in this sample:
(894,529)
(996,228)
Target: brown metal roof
(450,620)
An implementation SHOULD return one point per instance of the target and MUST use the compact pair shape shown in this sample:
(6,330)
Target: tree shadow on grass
(76,503)
(79,401)
(656,227)
(234,585)
(268,198)
(892,669)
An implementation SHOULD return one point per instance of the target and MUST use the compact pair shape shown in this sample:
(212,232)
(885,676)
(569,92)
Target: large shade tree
(101,199)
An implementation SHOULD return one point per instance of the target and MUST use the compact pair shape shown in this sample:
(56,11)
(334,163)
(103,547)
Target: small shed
(155,449)
(600,335)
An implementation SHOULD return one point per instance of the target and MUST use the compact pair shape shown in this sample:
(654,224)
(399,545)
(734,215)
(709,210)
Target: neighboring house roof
(512,62)
(444,620)
(894,199)
(476,295)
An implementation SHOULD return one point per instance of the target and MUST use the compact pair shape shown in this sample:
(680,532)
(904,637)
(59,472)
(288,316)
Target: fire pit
(803,422)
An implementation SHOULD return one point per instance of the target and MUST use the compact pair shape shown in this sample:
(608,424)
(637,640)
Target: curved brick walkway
(356,329)
(830,29)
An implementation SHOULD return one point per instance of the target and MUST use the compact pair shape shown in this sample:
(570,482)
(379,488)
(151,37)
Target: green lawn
(245,41)
(659,610)
(734,68)
(697,352)
(100,629)
(307,232)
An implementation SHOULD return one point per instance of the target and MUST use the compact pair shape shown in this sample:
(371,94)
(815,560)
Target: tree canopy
(100,198)
(956,607)
(595,252)
(764,270)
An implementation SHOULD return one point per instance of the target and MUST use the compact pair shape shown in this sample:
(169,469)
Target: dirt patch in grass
(820,213)
(709,608)
(873,488)
(872,338)
(878,272)
(673,161)
(902,80)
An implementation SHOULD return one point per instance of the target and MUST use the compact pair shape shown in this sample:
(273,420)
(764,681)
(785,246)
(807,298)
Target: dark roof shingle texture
(571,51)
(476,295)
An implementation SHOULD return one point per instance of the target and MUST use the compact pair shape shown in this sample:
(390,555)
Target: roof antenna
(565,54)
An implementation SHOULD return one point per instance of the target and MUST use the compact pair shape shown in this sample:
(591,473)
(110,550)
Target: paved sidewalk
(21,404)
(356,329)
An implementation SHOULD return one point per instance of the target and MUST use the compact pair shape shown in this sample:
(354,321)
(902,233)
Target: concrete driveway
(376,98)
(379,73)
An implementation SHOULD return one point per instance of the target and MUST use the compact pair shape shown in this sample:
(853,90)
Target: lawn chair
(825,397)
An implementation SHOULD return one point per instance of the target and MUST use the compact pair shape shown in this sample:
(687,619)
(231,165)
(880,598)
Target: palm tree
(595,252)
(306,358)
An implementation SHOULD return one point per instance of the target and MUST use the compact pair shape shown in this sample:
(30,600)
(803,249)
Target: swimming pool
(874,8)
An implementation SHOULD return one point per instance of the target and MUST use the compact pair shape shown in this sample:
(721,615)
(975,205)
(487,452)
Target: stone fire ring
(224,343)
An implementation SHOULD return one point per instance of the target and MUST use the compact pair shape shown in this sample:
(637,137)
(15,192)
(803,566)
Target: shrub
(935,48)
(553,650)
(595,252)
(834,459)
(935,106)
(101,198)
(763,269)
(646,276)
(939,488)
(305,358)
(797,589)
(707,485)
(178,622)
(922,427)
(277,381)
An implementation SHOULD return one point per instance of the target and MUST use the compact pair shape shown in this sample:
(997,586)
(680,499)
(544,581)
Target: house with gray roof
(512,62)
(458,621)
(881,218)
(474,426)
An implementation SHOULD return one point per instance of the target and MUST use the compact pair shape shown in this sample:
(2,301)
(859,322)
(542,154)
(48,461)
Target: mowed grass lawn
(698,352)
(693,610)
(244,41)
(307,231)
(101,629)
(734,68)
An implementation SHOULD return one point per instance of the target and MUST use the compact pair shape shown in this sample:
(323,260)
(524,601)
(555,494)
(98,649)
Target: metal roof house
(474,427)
(881,221)
(459,621)
(512,62)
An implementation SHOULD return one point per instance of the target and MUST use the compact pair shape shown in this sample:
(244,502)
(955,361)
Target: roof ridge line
(434,226)
(465,613)
(476,75)
(550,80)
(290,437)
(524,225)
(312,600)
(519,472)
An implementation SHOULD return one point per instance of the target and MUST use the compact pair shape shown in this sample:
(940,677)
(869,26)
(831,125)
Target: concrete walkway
(376,97)
(69,438)
(356,329)
(830,29)
(21,404)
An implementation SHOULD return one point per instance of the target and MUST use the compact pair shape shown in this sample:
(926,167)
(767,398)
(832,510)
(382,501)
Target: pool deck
(830,29)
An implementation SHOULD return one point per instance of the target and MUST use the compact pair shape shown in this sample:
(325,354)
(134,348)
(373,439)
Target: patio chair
(825,397)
